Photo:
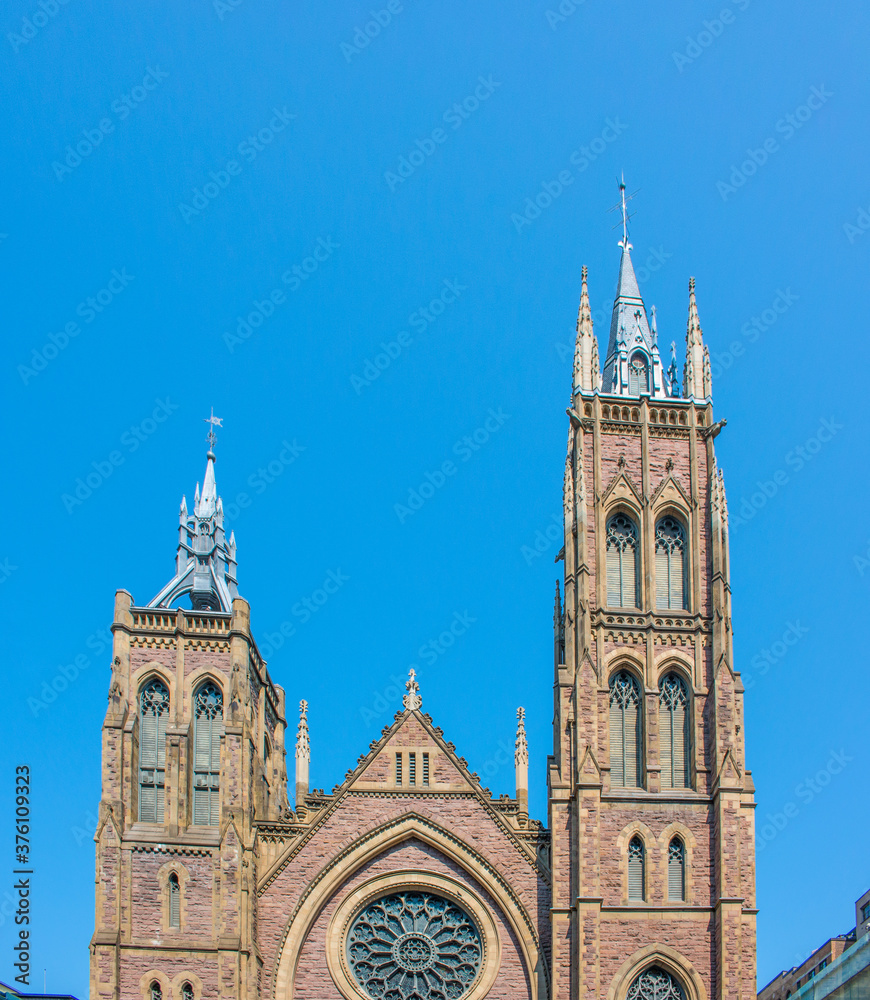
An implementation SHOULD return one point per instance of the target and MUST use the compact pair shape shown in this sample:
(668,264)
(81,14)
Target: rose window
(414,946)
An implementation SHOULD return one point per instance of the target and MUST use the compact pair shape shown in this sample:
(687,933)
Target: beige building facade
(409,880)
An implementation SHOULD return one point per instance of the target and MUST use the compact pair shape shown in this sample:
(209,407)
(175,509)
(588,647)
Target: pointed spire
(697,379)
(412,700)
(586,372)
(303,755)
(521,764)
(632,366)
(205,564)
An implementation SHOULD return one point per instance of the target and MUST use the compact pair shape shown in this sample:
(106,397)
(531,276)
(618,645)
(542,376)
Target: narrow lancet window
(625,728)
(674,742)
(671,568)
(636,864)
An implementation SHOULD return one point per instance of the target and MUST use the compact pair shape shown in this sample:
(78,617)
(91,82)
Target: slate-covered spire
(632,366)
(205,564)
(697,378)
(587,373)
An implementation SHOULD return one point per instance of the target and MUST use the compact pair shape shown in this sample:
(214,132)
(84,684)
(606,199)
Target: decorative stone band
(415,951)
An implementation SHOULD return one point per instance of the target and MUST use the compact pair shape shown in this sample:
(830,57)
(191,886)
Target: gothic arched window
(625,729)
(674,741)
(187,992)
(655,984)
(638,374)
(155,991)
(671,569)
(676,871)
(153,717)
(636,865)
(622,551)
(174,900)
(208,728)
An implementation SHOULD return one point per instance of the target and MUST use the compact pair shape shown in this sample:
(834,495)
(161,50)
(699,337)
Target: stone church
(409,880)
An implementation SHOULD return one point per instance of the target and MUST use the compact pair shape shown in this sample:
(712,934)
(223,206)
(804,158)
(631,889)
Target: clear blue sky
(170,94)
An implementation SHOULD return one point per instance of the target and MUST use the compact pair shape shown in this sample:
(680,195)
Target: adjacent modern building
(839,970)
(410,880)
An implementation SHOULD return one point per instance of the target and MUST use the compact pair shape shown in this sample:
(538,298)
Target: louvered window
(676,871)
(622,551)
(174,901)
(153,717)
(398,769)
(208,728)
(412,768)
(674,742)
(425,769)
(156,992)
(636,870)
(671,565)
(625,728)
(638,374)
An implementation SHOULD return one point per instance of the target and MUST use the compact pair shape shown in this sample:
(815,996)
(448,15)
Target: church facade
(409,880)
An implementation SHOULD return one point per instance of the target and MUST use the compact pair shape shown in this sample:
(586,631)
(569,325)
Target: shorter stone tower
(193,757)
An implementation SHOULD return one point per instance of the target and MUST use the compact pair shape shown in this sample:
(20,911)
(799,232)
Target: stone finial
(521,761)
(521,756)
(303,757)
(303,741)
(586,370)
(696,376)
(412,700)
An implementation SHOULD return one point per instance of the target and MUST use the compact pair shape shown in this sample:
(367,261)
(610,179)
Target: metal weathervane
(623,205)
(214,421)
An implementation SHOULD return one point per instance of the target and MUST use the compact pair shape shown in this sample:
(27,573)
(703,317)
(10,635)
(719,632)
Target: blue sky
(175,164)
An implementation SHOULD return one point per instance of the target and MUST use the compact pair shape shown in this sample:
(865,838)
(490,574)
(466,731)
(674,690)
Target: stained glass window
(414,945)
(655,984)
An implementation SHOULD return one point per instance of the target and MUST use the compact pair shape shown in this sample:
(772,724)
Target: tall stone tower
(651,805)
